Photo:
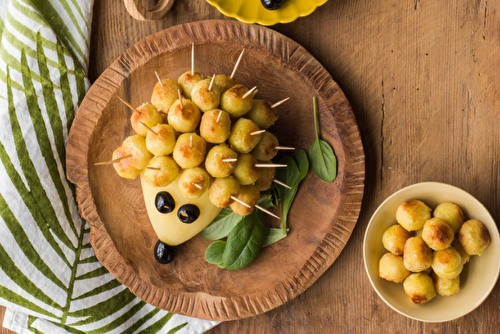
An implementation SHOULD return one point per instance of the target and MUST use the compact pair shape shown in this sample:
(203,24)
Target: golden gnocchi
(432,251)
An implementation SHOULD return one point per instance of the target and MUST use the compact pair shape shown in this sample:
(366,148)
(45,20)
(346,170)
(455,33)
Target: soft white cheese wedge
(168,227)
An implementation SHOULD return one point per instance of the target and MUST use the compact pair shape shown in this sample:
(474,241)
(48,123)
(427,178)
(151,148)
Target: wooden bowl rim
(201,305)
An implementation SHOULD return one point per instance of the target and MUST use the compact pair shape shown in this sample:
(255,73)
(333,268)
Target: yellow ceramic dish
(252,11)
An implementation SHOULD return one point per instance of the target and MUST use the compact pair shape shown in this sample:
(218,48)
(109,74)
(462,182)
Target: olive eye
(163,252)
(188,213)
(164,202)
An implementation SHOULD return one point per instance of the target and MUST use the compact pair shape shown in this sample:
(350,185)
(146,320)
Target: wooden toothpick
(270,165)
(284,148)
(191,141)
(112,161)
(192,59)
(197,186)
(282,184)
(241,202)
(268,212)
(280,102)
(257,132)
(180,98)
(147,127)
(237,63)
(257,206)
(158,77)
(229,160)
(129,105)
(153,168)
(211,83)
(218,116)
(249,92)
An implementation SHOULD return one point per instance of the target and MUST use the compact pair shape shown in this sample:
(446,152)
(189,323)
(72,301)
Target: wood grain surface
(423,80)
(321,219)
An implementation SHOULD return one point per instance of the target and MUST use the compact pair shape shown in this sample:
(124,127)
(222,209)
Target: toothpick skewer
(282,184)
(237,63)
(266,211)
(158,77)
(229,160)
(180,99)
(197,185)
(191,141)
(192,59)
(270,165)
(280,102)
(113,161)
(249,92)
(147,127)
(218,116)
(241,202)
(211,83)
(284,148)
(153,168)
(129,105)
(257,132)
(257,206)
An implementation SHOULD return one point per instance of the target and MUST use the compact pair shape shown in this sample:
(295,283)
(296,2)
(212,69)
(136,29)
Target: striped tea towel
(50,280)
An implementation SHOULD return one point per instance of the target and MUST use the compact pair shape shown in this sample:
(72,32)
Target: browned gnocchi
(419,288)
(394,239)
(413,214)
(474,237)
(437,234)
(194,132)
(391,268)
(417,255)
(435,249)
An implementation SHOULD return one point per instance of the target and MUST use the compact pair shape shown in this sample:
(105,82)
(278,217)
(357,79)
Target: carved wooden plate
(321,219)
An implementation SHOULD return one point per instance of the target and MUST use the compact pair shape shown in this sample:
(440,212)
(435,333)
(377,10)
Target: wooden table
(423,79)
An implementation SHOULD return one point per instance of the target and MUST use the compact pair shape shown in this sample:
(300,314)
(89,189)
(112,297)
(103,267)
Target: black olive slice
(271,4)
(188,213)
(164,202)
(163,252)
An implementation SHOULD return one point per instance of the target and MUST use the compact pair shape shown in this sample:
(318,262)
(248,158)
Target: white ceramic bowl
(476,280)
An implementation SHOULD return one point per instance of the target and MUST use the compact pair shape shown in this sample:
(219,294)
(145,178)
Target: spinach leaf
(226,219)
(323,160)
(292,179)
(273,235)
(214,252)
(222,224)
(244,241)
(265,201)
(300,157)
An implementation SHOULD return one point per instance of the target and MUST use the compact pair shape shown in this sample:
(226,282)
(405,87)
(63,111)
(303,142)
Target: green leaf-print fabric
(50,279)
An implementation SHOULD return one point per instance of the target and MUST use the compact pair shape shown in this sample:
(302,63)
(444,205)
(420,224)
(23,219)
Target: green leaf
(302,161)
(274,235)
(225,221)
(220,227)
(245,241)
(323,160)
(265,201)
(214,252)
(292,179)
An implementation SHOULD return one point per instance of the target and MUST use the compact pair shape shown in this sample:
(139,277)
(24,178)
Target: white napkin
(50,279)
